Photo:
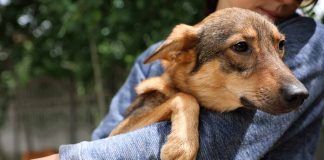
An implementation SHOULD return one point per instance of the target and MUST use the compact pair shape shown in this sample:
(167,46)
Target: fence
(43,115)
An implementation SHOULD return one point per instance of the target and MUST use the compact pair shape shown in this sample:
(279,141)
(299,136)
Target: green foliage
(51,38)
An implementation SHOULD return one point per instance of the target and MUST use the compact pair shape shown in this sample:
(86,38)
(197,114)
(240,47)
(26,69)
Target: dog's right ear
(182,38)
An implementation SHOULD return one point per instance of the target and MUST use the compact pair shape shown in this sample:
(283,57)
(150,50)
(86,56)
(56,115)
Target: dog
(231,59)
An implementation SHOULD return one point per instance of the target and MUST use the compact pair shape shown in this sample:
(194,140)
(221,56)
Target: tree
(92,43)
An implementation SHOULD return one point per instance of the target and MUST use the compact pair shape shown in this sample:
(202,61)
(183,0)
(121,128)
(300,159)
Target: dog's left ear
(182,38)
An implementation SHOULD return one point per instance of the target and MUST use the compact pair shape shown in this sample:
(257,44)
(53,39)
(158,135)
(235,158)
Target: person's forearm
(51,157)
(143,143)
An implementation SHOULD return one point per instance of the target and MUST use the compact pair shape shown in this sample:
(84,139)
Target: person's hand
(51,157)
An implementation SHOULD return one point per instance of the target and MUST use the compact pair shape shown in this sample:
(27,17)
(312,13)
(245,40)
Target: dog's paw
(180,148)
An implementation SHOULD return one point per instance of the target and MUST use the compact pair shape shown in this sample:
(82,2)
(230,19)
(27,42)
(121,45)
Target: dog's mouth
(275,109)
(247,103)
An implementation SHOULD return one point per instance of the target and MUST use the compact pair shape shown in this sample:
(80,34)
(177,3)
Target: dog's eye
(240,47)
(282,44)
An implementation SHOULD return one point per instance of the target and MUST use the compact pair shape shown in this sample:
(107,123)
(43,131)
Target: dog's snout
(294,95)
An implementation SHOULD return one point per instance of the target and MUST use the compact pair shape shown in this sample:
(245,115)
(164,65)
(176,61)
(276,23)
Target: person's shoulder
(320,28)
(301,24)
(298,23)
(302,30)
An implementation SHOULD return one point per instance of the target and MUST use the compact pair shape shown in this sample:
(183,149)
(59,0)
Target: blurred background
(61,61)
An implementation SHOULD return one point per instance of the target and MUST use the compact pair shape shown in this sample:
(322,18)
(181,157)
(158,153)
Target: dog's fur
(206,65)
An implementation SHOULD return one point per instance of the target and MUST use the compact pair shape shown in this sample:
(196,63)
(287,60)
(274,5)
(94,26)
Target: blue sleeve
(126,93)
(141,144)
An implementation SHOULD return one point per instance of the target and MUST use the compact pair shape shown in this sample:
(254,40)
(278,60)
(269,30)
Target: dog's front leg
(183,141)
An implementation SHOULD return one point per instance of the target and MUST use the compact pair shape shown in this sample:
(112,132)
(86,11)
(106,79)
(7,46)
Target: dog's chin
(274,110)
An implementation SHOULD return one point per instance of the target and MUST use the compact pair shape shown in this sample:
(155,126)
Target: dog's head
(233,58)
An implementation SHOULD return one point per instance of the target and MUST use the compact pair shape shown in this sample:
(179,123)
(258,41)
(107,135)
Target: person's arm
(141,144)
(51,157)
(144,143)
(126,93)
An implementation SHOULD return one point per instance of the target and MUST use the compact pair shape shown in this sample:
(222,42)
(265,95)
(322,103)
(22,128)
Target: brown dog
(232,59)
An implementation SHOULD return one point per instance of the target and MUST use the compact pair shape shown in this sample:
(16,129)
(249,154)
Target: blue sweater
(241,134)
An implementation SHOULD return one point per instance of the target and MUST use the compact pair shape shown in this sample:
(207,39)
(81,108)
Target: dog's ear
(182,38)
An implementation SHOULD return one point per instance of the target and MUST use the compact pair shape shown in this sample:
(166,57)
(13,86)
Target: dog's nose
(294,95)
